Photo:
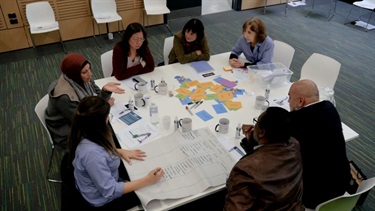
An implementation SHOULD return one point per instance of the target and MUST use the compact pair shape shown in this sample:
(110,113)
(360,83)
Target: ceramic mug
(186,124)
(161,88)
(138,99)
(223,126)
(141,87)
(261,101)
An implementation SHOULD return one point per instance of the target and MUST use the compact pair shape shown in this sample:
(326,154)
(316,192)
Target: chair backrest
(40,108)
(168,45)
(40,14)
(321,69)
(283,53)
(347,202)
(106,59)
(102,8)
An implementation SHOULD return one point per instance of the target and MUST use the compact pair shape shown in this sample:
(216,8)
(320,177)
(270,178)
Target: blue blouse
(96,173)
(261,54)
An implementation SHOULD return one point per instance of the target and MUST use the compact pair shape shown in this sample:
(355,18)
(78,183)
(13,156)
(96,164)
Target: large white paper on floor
(192,162)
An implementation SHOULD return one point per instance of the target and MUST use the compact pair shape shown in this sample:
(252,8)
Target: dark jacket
(184,52)
(269,178)
(326,172)
(120,64)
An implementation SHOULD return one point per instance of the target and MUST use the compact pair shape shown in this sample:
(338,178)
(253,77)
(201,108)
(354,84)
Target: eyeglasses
(138,40)
(255,120)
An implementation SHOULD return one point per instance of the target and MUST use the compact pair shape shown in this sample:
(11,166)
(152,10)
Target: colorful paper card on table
(217,88)
(233,105)
(205,85)
(201,66)
(219,108)
(225,82)
(204,115)
(196,97)
(183,91)
(224,96)
(211,96)
(185,100)
(191,83)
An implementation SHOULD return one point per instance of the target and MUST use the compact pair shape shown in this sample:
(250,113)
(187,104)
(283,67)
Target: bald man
(317,126)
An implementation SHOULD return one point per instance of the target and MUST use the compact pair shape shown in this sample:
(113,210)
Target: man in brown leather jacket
(269,177)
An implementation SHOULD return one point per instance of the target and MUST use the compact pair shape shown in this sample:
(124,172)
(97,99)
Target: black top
(326,171)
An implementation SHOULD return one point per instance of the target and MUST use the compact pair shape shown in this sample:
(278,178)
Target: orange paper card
(217,88)
(191,83)
(183,91)
(206,85)
(225,96)
(233,105)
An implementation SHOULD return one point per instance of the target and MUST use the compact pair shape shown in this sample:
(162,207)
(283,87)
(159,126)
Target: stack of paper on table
(192,162)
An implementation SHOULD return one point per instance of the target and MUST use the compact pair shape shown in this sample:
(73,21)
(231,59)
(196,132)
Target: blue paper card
(220,108)
(204,115)
(186,101)
(201,66)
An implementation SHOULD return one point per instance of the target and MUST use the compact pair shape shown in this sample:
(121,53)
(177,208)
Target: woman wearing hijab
(74,84)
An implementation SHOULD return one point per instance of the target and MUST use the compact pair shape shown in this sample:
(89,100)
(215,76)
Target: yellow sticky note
(196,97)
(225,96)
(233,105)
(183,91)
(191,83)
(206,85)
(217,88)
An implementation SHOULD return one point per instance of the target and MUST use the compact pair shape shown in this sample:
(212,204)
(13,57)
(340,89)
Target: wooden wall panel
(72,9)
(76,28)
(10,7)
(2,20)
(13,39)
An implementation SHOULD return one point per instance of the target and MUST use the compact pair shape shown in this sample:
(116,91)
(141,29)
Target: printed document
(192,162)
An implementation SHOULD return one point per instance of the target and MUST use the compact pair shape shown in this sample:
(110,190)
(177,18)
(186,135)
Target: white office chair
(106,59)
(332,9)
(105,11)
(321,69)
(39,110)
(41,19)
(283,53)
(168,45)
(365,4)
(347,201)
(157,7)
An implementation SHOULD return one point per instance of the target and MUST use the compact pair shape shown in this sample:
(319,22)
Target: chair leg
(347,17)
(311,9)
(265,7)
(368,21)
(33,42)
(286,7)
(49,167)
(93,28)
(62,44)
(334,3)
(166,15)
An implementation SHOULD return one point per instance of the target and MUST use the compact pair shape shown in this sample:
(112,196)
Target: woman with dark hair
(190,44)
(74,84)
(131,56)
(255,44)
(96,160)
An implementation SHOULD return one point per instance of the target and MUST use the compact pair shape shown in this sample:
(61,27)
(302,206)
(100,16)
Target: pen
(195,105)
(156,172)
(123,111)
(139,135)
(199,103)
(187,108)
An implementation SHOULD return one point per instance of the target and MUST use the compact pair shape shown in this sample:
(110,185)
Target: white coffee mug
(161,88)
(139,101)
(141,87)
(186,124)
(147,99)
(260,101)
(223,126)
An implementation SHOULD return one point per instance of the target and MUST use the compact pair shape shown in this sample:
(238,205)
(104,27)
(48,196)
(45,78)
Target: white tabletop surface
(171,106)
